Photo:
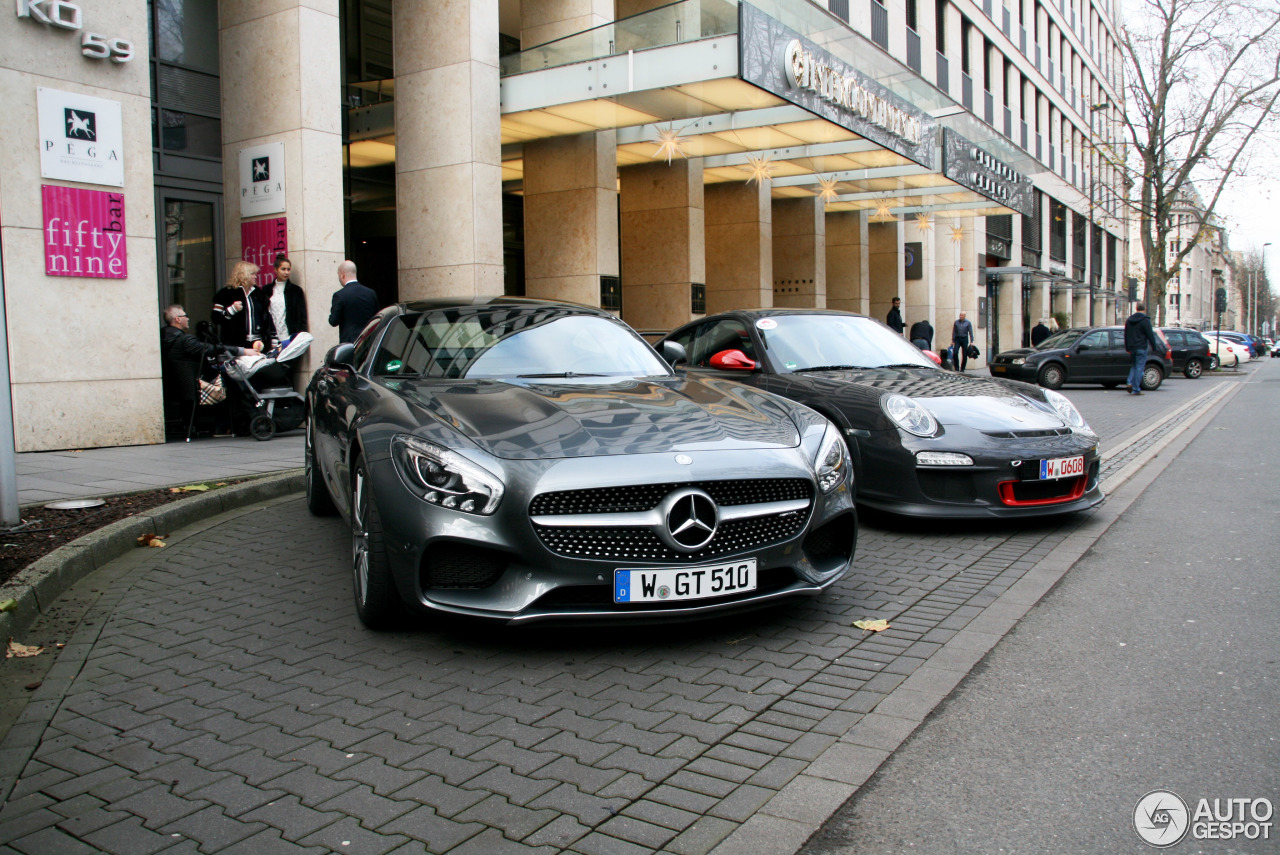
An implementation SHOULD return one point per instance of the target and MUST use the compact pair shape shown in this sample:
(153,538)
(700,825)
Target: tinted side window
(725,334)
(1096,339)
(1117,339)
(390,355)
(363,344)
(685,337)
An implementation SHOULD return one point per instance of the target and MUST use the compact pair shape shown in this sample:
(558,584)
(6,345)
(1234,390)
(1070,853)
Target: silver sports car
(523,460)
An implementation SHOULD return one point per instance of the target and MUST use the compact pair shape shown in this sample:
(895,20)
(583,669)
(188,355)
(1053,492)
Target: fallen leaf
(31,687)
(157,543)
(872,625)
(221,484)
(8,605)
(22,650)
(192,488)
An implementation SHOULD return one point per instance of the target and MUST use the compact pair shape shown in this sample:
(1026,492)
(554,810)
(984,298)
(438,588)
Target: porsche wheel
(319,502)
(378,604)
(1052,376)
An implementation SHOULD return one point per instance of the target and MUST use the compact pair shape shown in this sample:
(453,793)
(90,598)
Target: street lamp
(1255,287)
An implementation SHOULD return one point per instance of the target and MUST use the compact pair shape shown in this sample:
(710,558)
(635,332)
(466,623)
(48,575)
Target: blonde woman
(233,312)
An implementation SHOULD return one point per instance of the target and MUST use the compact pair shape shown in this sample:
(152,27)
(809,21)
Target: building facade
(661,160)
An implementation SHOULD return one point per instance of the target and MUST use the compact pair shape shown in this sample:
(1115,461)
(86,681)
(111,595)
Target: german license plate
(1062,467)
(687,583)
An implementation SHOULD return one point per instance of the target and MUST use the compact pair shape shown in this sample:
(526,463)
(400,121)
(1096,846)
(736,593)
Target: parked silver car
(524,460)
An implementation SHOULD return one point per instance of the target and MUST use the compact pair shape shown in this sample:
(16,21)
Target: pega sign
(84,233)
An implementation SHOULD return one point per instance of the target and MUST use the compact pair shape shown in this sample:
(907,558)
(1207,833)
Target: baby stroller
(263,388)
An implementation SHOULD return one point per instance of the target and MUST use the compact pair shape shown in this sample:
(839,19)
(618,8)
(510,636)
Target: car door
(1089,361)
(1178,347)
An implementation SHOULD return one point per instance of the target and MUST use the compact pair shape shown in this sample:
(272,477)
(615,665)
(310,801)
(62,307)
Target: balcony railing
(913,50)
(879,24)
(839,8)
(989,107)
(944,73)
(1006,20)
(1008,123)
(1024,135)
(966,91)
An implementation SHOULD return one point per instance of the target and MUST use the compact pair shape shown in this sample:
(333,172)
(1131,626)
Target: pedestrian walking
(353,304)
(894,318)
(1139,339)
(1039,332)
(961,338)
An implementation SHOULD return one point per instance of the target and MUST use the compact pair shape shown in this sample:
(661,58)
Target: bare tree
(1202,77)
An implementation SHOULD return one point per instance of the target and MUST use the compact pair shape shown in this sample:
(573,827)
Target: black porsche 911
(924,441)
(521,461)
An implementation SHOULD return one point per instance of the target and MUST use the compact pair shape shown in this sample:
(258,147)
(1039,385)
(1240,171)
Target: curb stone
(36,587)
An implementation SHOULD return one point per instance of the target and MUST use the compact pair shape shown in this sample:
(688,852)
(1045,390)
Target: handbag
(973,352)
(212,393)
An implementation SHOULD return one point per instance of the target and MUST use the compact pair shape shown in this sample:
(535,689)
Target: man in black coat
(182,356)
(353,304)
(894,318)
(1139,338)
(1039,333)
(922,331)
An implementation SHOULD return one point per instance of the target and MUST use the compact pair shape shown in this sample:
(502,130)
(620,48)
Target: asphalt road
(1152,665)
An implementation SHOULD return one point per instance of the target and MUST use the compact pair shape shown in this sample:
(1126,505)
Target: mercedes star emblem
(690,517)
(684,459)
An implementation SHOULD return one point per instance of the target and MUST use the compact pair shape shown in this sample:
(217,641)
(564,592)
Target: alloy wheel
(360,538)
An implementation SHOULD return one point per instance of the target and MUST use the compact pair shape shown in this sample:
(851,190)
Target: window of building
(1057,230)
(186,114)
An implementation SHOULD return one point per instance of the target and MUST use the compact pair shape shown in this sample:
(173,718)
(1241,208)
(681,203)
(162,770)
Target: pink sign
(84,233)
(261,241)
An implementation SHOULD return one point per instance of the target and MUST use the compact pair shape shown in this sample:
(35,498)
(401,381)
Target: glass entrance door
(190,226)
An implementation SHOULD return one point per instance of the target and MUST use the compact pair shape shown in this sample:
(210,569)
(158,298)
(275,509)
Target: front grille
(601,596)
(642,497)
(641,544)
(1042,492)
(1027,434)
(459,566)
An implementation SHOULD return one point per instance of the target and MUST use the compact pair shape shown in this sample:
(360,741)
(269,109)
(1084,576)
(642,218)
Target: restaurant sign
(781,61)
(970,166)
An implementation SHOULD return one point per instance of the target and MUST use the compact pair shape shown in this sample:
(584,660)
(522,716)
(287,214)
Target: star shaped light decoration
(827,193)
(669,143)
(924,222)
(884,210)
(762,166)
(957,234)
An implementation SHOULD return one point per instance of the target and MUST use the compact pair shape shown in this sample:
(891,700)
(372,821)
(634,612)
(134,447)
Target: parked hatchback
(1079,355)
(1190,351)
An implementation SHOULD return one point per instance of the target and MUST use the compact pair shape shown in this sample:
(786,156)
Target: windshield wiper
(906,365)
(564,374)
(830,368)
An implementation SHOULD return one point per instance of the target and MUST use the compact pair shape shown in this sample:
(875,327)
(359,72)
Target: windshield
(490,342)
(814,342)
(1066,338)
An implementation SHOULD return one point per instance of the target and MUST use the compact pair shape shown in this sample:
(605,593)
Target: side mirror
(340,354)
(674,352)
(1082,347)
(732,360)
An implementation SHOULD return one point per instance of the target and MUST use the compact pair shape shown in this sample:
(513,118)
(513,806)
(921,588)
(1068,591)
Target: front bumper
(1024,372)
(500,568)
(892,481)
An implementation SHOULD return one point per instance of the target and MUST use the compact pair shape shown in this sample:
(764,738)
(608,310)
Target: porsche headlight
(1067,410)
(909,415)
(443,477)
(832,461)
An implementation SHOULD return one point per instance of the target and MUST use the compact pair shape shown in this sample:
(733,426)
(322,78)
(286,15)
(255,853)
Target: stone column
(570,216)
(739,246)
(884,262)
(799,253)
(947,271)
(662,226)
(281,82)
(847,282)
(448,148)
(919,295)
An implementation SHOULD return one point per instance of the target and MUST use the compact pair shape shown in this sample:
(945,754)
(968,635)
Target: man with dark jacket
(353,304)
(281,306)
(894,318)
(961,338)
(1139,338)
(182,356)
(1039,333)
(922,331)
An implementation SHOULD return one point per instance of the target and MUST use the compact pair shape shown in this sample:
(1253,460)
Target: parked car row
(521,460)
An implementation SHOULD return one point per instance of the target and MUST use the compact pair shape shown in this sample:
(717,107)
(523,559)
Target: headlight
(1067,410)
(1017,360)
(446,478)
(909,415)
(832,460)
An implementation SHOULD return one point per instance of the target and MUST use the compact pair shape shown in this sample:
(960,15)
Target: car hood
(1023,352)
(977,402)
(519,421)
